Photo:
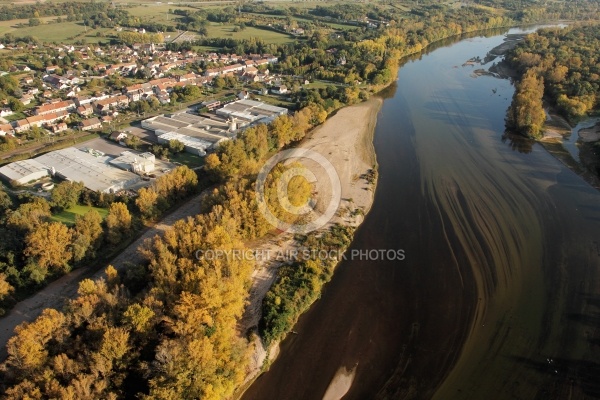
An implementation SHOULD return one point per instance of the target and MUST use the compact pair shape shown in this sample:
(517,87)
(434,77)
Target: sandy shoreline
(346,140)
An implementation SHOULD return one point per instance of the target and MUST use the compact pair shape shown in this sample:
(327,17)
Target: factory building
(198,133)
(90,167)
(23,171)
(137,163)
(251,112)
(192,145)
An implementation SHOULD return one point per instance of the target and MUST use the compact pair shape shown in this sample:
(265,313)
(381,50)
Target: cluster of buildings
(93,168)
(198,133)
(102,107)
(201,133)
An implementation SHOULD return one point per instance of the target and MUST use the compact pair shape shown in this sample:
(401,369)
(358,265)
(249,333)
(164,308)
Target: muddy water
(499,292)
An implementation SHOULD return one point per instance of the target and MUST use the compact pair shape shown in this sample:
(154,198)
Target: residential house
(60,127)
(90,124)
(281,89)
(6,129)
(85,110)
(67,105)
(118,136)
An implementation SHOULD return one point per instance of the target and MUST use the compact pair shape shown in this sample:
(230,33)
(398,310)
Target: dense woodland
(167,329)
(560,65)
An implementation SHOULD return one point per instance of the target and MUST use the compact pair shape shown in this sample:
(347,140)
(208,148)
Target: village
(65,101)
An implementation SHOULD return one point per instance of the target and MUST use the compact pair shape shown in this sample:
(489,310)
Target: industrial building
(198,133)
(88,166)
(137,163)
(251,112)
(192,145)
(24,171)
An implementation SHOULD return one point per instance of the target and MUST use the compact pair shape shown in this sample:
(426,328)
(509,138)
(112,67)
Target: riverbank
(346,140)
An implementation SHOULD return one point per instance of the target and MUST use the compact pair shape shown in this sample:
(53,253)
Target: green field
(187,159)
(67,217)
(226,31)
(63,32)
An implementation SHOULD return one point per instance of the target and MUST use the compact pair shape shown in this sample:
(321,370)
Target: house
(118,136)
(85,110)
(51,69)
(89,124)
(103,107)
(243,95)
(27,80)
(44,109)
(60,127)
(6,129)
(281,89)
(5,112)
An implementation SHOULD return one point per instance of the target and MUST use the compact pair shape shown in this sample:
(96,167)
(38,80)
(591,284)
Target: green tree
(66,194)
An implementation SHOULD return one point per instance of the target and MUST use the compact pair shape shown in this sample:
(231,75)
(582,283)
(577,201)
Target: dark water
(499,294)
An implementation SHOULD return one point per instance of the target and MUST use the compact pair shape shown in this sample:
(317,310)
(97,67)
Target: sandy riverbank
(346,140)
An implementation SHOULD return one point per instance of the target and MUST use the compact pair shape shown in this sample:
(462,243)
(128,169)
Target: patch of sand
(340,384)
(589,135)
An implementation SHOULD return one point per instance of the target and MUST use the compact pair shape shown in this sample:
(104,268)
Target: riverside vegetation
(167,329)
(560,65)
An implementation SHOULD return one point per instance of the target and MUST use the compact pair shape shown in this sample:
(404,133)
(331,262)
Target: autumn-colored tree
(118,222)
(526,114)
(86,234)
(27,350)
(146,201)
(29,215)
(48,244)
(138,317)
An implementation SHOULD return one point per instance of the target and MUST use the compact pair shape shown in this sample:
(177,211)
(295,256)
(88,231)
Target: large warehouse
(91,168)
(197,133)
(250,111)
(23,171)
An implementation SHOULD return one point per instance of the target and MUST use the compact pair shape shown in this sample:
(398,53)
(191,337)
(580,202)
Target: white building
(24,171)
(134,162)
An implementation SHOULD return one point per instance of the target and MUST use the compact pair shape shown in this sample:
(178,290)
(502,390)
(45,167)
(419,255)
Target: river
(498,296)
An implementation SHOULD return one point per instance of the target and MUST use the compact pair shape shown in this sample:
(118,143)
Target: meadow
(67,216)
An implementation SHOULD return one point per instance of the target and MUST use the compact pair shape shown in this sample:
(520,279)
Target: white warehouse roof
(24,171)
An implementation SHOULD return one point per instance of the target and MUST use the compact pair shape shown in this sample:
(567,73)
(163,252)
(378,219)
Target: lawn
(187,159)
(216,30)
(67,217)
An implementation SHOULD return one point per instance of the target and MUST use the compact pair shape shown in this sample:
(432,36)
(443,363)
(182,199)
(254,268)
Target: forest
(559,65)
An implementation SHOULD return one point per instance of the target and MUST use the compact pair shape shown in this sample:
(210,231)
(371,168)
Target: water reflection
(518,143)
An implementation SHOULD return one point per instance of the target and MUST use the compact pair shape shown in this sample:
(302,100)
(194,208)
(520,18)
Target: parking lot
(108,147)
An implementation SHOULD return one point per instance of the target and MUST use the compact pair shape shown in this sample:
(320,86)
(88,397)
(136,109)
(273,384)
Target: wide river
(499,294)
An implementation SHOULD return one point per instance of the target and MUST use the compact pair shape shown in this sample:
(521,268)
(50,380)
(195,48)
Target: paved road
(56,294)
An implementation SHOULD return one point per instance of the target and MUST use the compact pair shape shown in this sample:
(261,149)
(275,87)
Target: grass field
(226,31)
(187,159)
(64,32)
(68,216)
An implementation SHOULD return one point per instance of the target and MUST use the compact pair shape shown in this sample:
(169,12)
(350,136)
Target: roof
(22,169)
(91,169)
(90,122)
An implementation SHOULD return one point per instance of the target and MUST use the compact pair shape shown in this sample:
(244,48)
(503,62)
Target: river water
(498,296)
